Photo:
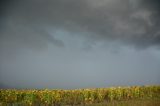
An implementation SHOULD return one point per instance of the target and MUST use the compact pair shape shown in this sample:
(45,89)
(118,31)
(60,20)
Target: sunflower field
(82,97)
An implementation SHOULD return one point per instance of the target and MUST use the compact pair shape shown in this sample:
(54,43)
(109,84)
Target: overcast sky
(72,44)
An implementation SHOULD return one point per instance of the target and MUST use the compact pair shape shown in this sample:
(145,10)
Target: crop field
(114,96)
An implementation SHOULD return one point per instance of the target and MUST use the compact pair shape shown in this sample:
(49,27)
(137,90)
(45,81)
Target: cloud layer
(79,43)
(131,22)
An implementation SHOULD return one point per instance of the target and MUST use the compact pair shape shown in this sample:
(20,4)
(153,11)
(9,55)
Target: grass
(140,102)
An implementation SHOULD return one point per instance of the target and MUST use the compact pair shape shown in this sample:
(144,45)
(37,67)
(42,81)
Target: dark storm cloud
(134,22)
(78,43)
(20,29)
(152,33)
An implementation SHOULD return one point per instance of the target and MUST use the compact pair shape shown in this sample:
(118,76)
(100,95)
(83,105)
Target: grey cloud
(79,43)
(16,36)
(134,23)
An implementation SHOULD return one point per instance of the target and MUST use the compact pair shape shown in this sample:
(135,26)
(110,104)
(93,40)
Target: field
(114,96)
(135,102)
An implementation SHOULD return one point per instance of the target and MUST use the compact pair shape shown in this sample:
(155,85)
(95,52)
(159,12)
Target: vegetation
(133,102)
(81,97)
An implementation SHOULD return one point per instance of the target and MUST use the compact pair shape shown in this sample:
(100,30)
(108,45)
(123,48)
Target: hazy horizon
(69,44)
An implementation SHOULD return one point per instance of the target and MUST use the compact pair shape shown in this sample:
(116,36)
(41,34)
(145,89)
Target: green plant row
(76,97)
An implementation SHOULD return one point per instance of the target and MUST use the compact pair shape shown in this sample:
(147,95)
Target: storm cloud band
(79,43)
(132,22)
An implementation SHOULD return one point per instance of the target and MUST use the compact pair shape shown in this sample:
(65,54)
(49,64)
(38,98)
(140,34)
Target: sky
(70,44)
